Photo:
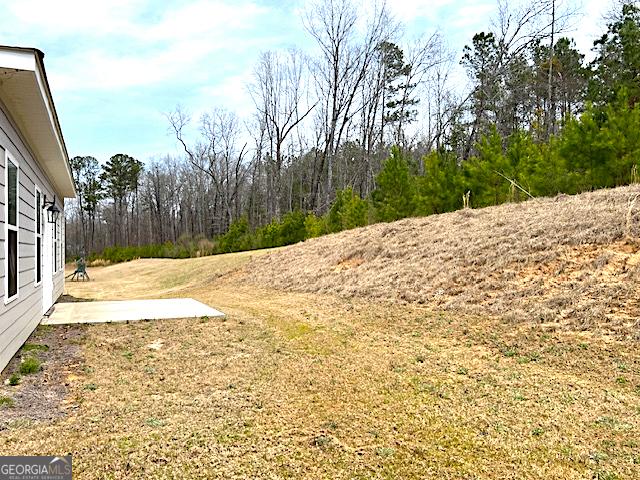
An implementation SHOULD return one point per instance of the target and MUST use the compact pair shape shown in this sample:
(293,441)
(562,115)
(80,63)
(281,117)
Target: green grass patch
(45,328)
(509,352)
(128,354)
(34,347)
(7,402)
(30,365)
(154,422)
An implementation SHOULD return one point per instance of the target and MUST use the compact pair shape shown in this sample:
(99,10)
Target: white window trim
(9,158)
(38,208)
(57,254)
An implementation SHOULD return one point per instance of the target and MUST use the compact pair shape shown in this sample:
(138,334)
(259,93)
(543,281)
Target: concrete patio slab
(128,310)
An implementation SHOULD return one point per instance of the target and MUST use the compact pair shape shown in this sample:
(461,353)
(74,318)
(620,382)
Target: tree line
(370,127)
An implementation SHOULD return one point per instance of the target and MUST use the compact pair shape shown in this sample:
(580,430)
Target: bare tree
(340,71)
(279,94)
(217,155)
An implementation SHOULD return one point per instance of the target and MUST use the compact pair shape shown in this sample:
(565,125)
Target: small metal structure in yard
(81,271)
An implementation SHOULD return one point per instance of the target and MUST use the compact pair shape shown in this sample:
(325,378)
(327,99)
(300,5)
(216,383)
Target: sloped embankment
(571,260)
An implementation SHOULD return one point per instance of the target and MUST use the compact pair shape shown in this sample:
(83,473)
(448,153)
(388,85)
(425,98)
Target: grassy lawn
(295,385)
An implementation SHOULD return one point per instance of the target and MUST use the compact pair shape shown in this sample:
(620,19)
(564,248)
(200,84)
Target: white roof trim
(53,119)
(18,59)
(30,60)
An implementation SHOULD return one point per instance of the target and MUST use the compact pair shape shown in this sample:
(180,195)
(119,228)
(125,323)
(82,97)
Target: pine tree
(393,199)
(617,64)
(120,176)
(399,104)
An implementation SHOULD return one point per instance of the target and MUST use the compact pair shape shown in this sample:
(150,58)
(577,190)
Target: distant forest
(373,127)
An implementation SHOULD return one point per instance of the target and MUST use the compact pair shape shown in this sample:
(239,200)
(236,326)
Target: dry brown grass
(320,386)
(565,261)
(157,277)
(313,386)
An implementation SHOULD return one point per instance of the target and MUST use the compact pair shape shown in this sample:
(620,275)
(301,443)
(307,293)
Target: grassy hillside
(158,277)
(569,260)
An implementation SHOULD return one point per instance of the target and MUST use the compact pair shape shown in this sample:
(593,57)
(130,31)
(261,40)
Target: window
(62,239)
(39,229)
(11,228)
(57,246)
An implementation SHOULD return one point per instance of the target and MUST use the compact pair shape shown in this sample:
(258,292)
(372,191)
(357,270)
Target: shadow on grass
(71,299)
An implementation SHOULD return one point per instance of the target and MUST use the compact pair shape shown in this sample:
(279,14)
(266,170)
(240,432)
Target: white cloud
(473,17)
(589,25)
(73,16)
(230,93)
(103,69)
(409,10)
(116,65)
(217,18)
(122,48)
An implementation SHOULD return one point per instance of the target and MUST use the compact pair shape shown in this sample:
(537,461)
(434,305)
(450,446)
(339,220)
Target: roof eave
(56,122)
(31,59)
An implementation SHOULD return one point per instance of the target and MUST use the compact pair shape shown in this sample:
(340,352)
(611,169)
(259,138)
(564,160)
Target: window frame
(58,265)
(62,236)
(38,232)
(7,227)
(58,234)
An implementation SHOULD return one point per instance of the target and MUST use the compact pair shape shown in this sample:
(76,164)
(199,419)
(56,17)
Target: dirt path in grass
(301,385)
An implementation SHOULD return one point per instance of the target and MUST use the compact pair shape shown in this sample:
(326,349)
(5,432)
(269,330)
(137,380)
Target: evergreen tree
(120,176)
(85,172)
(440,189)
(482,172)
(393,198)
(602,147)
(398,103)
(483,64)
(569,83)
(348,211)
(617,64)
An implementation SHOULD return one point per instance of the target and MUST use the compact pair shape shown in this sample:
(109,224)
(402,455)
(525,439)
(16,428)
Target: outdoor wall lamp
(53,212)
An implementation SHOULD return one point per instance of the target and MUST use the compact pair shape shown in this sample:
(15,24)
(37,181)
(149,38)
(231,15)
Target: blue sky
(117,66)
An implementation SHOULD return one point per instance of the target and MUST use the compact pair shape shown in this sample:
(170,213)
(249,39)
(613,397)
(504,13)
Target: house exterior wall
(21,316)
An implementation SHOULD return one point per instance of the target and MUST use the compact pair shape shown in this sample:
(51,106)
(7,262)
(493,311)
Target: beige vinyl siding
(22,315)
